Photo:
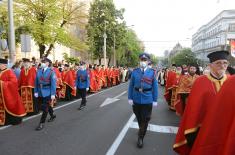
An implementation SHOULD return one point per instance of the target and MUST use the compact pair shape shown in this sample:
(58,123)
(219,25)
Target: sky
(160,24)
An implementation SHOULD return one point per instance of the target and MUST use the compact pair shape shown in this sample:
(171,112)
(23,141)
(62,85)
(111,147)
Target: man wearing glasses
(202,95)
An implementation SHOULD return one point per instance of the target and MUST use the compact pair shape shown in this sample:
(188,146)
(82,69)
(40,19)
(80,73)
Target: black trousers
(184,98)
(46,107)
(82,93)
(68,95)
(143,114)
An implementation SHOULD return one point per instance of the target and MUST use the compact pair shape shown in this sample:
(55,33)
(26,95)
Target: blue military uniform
(143,92)
(45,88)
(82,84)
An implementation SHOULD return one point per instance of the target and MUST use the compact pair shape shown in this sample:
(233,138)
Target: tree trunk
(49,50)
(42,49)
(109,61)
(99,61)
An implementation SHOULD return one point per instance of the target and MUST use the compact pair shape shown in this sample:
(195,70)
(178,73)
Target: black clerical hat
(218,55)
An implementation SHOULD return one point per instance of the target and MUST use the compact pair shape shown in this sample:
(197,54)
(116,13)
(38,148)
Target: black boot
(52,118)
(140,142)
(40,127)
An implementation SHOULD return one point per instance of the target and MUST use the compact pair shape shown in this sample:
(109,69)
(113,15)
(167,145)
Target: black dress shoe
(82,106)
(52,118)
(40,127)
(140,143)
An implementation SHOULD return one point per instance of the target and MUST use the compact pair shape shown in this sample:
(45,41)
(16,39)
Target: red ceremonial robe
(198,103)
(174,90)
(67,79)
(217,133)
(93,82)
(10,100)
(185,86)
(171,76)
(109,79)
(26,85)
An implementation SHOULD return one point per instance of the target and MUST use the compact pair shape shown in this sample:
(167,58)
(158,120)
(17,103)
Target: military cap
(82,63)
(218,55)
(144,56)
(45,59)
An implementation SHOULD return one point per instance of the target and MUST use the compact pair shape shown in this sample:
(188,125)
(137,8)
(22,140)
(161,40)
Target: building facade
(215,35)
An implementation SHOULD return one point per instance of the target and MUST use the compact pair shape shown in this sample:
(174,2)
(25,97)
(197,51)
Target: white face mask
(82,67)
(143,64)
(43,65)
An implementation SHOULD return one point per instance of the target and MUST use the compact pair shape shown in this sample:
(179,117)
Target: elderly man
(142,95)
(203,94)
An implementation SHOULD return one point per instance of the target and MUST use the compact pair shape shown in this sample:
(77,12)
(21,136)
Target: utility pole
(114,50)
(105,37)
(11,34)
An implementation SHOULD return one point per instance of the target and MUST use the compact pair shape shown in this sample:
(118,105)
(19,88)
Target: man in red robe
(202,96)
(217,133)
(93,82)
(100,76)
(58,82)
(26,85)
(185,86)
(175,87)
(68,89)
(11,107)
(171,75)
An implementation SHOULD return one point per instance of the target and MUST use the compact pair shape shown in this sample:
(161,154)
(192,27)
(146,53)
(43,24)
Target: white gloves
(87,89)
(130,102)
(52,97)
(36,95)
(155,104)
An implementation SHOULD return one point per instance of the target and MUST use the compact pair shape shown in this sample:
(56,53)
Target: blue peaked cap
(144,55)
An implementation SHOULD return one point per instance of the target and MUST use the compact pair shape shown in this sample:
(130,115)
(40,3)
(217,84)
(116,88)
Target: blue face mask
(143,64)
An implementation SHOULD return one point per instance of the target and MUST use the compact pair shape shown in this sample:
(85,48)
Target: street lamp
(11,33)
(105,37)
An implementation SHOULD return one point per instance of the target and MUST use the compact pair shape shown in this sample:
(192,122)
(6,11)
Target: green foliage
(103,18)
(185,56)
(50,20)
(70,60)
(154,59)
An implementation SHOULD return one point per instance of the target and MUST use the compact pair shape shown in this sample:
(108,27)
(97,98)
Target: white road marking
(109,101)
(65,105)
(157,128)
(112,100)
(120,95)
(121,135)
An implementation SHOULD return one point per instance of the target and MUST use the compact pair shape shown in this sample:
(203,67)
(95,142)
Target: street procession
(83,77)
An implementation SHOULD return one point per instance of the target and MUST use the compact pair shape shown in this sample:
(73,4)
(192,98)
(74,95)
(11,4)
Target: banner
(232,45)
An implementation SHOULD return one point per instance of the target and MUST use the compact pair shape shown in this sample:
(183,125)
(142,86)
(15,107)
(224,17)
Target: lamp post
(105,37)
(114,50)
(11,33)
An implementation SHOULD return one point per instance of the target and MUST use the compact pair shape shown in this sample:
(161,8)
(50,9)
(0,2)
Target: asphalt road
(106,126)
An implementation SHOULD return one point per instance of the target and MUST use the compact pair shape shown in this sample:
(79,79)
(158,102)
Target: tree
(185,56)
(50,21)
(104,18)
(129,50)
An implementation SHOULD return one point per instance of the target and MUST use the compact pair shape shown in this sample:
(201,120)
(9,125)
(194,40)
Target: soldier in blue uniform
(45,87)
(82,83)
(142,94)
